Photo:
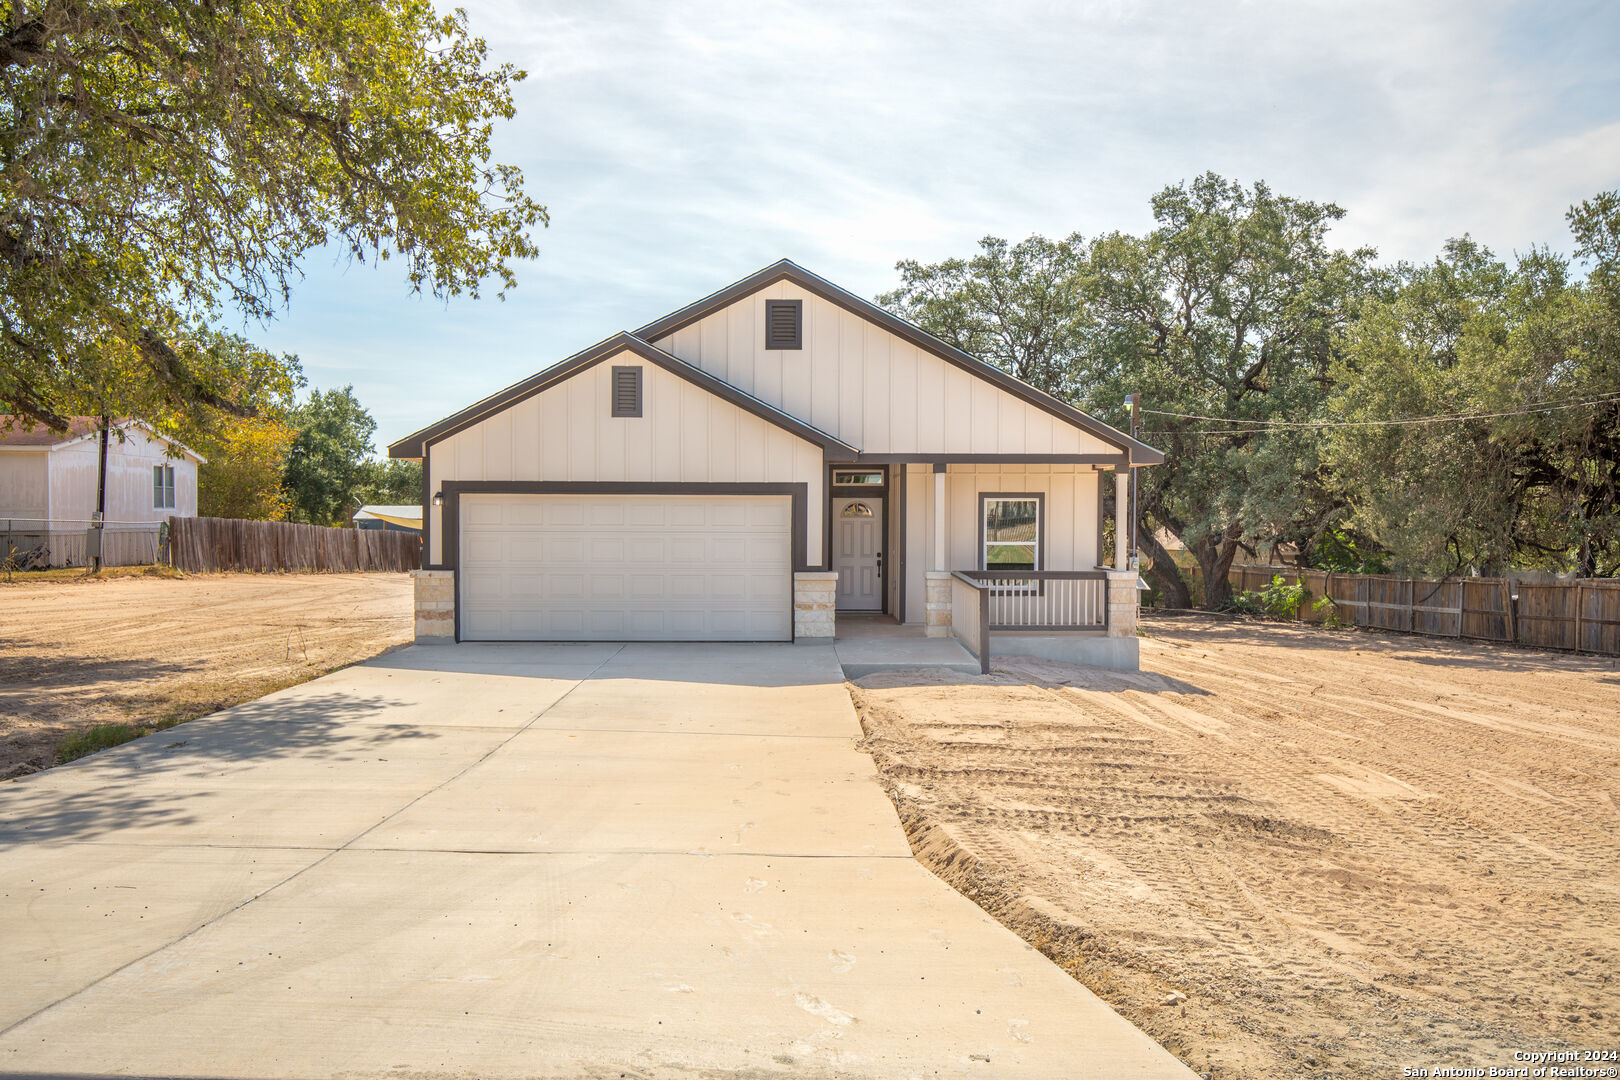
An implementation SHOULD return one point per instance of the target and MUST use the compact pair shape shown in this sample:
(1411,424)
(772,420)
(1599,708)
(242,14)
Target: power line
(1261,425)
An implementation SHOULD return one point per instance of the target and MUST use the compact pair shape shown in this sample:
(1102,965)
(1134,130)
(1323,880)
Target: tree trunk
(1165,573)
(1586,559)
(1215,563)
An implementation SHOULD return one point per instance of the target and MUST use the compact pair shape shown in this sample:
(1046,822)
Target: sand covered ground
(1350,852)
(77,652)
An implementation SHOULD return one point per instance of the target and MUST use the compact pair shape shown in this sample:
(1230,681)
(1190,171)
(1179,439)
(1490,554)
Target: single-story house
(389,518)
(764,464)
(48,483)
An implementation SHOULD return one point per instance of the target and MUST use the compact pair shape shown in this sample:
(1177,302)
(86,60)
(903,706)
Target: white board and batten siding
(626,568)
(870,388)
(1069,529)
(685,434)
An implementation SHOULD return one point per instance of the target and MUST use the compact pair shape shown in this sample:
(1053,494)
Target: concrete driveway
(515,861)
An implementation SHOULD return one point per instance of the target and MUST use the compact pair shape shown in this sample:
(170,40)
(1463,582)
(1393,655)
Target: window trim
(1039,499)
(798,324)
(163,486)
(613,392)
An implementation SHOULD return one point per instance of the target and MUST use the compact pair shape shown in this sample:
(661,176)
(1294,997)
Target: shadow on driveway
(149,781)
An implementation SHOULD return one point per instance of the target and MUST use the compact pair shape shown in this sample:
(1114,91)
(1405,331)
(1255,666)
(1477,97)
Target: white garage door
(626,568)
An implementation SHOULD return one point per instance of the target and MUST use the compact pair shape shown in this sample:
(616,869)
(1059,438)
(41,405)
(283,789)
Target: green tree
(1231,308)
(245,456)
(1226,318)
(1017,306)
(165,163)
(389,483)
(241,477)
(1518,484)
(326,465)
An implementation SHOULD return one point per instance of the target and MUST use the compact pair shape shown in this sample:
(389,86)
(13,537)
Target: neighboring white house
(775,457)
(48,489)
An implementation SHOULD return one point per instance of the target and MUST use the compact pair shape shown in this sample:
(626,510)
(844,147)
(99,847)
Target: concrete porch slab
(869,643)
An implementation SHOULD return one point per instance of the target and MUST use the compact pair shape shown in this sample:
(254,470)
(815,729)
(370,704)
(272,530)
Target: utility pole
(94,535)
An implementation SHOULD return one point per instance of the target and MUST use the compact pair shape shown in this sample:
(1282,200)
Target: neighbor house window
(1012,531)
(163,487)
(784,324)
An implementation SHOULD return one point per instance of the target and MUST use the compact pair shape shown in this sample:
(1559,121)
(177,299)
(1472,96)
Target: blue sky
(680,146)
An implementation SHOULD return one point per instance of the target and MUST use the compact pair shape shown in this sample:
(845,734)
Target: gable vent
(627,391)
(784,324)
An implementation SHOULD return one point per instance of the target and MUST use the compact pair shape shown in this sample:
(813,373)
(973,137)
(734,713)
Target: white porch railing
(1044,599)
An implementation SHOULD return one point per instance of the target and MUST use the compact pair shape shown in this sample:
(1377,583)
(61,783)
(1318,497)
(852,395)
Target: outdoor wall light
(438,498)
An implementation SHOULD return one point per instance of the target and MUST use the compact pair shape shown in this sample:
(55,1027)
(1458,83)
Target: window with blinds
(627,391)
(784,324)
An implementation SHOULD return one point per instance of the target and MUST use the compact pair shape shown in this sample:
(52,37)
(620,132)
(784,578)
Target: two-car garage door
(626,568)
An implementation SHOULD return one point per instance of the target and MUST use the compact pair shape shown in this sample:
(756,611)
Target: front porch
(1027,539)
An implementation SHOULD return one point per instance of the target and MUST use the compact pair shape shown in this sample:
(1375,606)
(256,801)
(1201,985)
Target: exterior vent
(626,391)
(784,324)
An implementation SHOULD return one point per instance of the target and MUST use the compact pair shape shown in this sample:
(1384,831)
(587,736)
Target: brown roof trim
(79,429)
(414,445)
(1140,453)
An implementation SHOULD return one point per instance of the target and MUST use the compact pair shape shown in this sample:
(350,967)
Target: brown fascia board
(413,446)
(1139,453)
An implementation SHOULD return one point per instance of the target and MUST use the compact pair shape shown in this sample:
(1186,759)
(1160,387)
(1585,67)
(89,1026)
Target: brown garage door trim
(450,542)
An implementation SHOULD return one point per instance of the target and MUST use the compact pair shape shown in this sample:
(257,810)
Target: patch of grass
(106,736)
(79,574)
(92,739)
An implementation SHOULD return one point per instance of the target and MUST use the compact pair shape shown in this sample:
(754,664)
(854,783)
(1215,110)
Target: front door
(858,553)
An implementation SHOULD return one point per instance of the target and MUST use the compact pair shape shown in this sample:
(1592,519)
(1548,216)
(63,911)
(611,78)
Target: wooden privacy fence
(205,543)
(1579,615)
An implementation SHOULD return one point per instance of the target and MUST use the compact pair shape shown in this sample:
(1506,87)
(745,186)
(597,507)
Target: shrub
(1244,603)
(1281,600)
(1330,616)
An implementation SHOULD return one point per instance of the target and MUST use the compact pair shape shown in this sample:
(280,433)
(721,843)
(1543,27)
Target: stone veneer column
(435,606)
(1122,601)
(938,595)
(815,594)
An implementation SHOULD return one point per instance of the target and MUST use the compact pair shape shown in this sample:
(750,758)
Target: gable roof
(1138,452)
(413,445)
(39,435)
(79,428)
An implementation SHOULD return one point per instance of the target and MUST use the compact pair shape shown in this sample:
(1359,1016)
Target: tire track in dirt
(1352,852)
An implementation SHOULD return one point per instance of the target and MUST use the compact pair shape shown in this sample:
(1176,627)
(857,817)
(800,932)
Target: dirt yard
(144,650)
(1350,852)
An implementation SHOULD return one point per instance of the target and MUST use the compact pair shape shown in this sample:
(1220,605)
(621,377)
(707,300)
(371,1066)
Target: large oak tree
(168,163)
(1232,307)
